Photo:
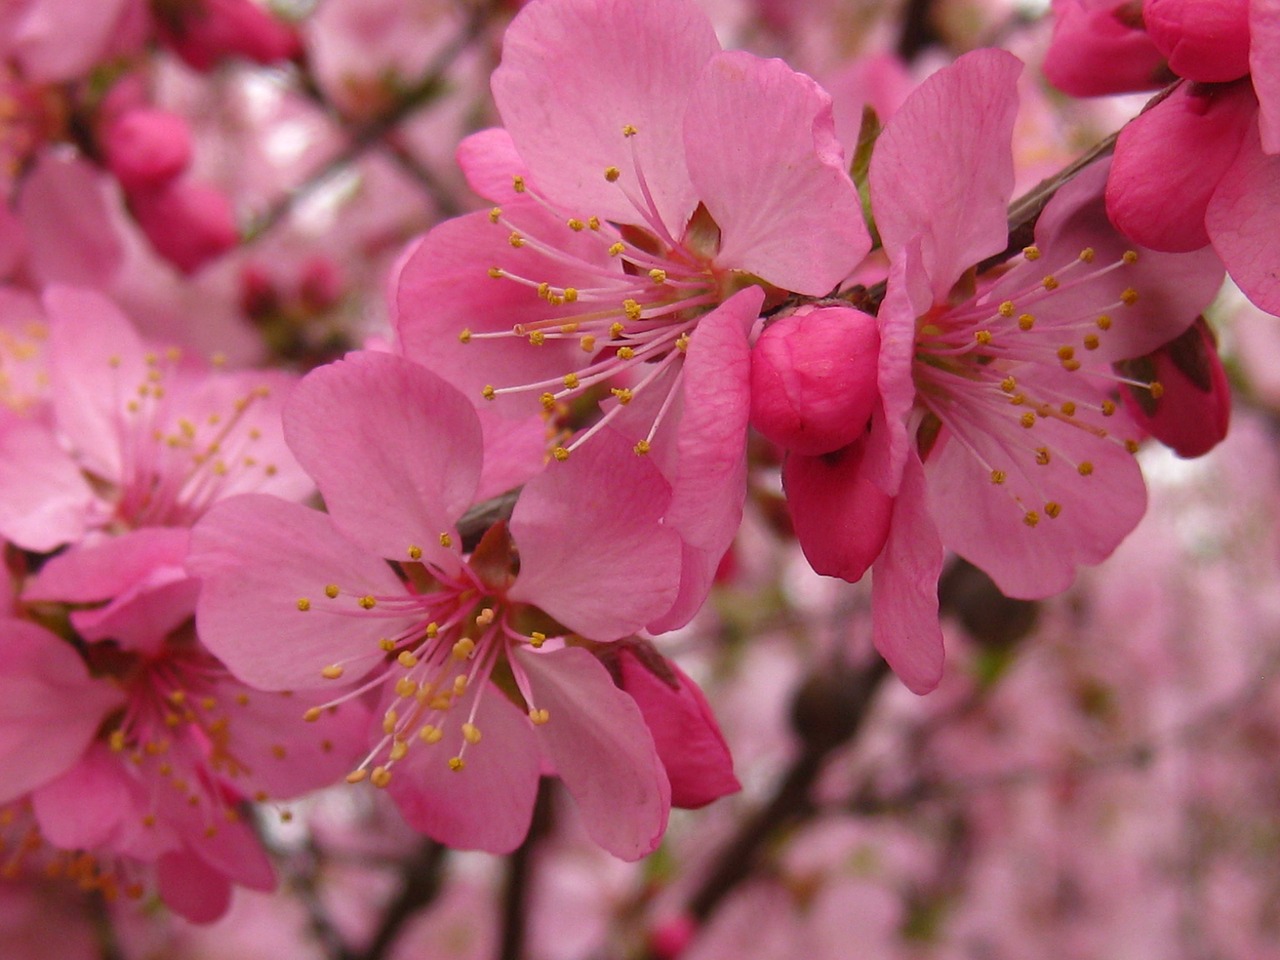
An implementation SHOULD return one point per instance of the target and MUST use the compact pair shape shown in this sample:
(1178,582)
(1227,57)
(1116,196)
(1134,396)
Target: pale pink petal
(841,518)
(490,163)
(1264,62)
(685,733)
(1205,42)
(575,73)
(597,739)
(943,168)
(50,709)
(786,207)
(592,553)
(487,805)
(515,451)
(1162,205)
(904,589)
(1244,222)
(395,451)
(262,559)
(97,362)
(60,40)
(88,574)
(71,236)
(44,499)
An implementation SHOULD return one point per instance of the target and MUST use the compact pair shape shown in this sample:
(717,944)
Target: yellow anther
(430,734)
(570,295)
(470,733)
(386,644)
(442,702)
(331,590)
(623,394)
(389,721)
(682,342)
(1006,308)
(616,248)
(1157,389)
(463,648)
(548,401)
(1130,256)
(641,448)
(616,329)
(1104,322)
(536,639)
(611,174)
(1050,282)
(1071,366)
(367,602)
(518,184)
(556,300)
(628,130)
(1091,341)
(626,353)
(304,604)
(415,553)
(433,630)
(116,740)
(406,687)
(1052,509)
(1032,252)
(1026,322)
(571,381)
(1085,468)
(332,672)
(1008,384)
(356,776)
(1066,353)
(588,343)
(1129,297)
(1068,409)
(1031,518)
(456,764)
(1028,420)
(446,540)
(544,290)
(632,309)
(982,336)
(381,777)
(575,224)
(407,659)
(485,617)
(398,750)
(495,214)
(1088,254)
(539,716)
(459,685)
(515,239)
(1131,446)
(560,453)
(658,276)
(488,392)
(497,273)
(998,476)
(1108,407)
(312,715)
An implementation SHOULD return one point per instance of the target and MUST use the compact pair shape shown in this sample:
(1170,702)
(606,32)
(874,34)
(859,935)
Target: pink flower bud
(204,32)
(671,937)
(146,147)
(188,223)
(684,730)
(1205,41)
(1188,405)
(813,379)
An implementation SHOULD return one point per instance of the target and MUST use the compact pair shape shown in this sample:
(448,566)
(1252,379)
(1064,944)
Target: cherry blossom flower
(481,684)
(998,435)
(141,437)
(643,221)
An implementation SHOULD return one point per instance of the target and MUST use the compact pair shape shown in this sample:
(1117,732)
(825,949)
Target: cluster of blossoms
(689,291)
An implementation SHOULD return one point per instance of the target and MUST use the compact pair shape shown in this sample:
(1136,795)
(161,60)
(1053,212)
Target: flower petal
(1244,223)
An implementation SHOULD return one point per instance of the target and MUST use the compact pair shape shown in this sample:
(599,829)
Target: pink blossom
(188,223)
(204,32)
(296,599)
(643,223)
(140,437)
(999,438)
(1099,46)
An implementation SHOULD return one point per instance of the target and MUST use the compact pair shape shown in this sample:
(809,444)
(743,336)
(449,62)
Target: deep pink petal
(1097,50)
(395,451)
(1244,223)
(904,589)
(259,557)
(1206,42)
(574,73)
(592,553)
(487,805)
(44,499)
(1203,127)
(192,888)
(787,210)
(1264,62)
(943,167)
(50,709)
(597,739)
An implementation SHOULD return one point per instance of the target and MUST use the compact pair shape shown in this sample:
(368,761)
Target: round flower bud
(813,378)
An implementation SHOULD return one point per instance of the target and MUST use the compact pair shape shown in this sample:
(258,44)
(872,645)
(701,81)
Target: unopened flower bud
(188,223)
(204,32)
(1205,42)
(146,148)
(813,378)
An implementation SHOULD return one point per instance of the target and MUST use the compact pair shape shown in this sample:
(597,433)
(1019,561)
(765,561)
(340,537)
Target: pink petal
(86,806)
(515,451)
(258,557)
(490,162)
(592,553)
(601,748)
(60,40)
(50,709)
(574,73)
(488,804)
(395,451)
(1096,51)
(1205,42)
(904,589)
(88,574)
(1243,220)
(1203,127)
(1264,62)
(191,888)
(943,168)
(71,236)
(44,499)
(785,205)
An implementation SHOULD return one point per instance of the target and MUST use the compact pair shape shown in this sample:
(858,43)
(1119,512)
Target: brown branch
(421,879)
